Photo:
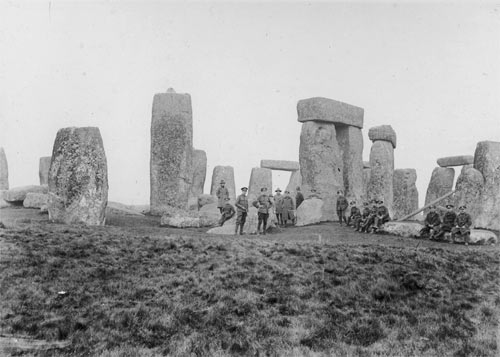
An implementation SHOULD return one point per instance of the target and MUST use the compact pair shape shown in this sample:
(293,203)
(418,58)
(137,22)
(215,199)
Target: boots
(241,230)
(236,230)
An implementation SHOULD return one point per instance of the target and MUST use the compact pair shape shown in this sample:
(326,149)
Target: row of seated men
(450,227)
(370,220)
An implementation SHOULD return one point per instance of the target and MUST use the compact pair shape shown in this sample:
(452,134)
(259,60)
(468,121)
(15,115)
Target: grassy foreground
(113,294)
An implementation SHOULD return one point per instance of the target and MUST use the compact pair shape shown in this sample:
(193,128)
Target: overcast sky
(431,71)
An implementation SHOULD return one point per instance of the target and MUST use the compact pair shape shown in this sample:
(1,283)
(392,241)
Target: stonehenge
(455,161)
(78,177)
(329,110)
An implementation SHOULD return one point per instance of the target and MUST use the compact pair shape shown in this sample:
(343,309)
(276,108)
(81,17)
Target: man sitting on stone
(354,215)
(342,205)
(370,220)
(361,222)
(227,212)
(222,192)
(447,224)
(242,210)
(299,197)
(462,225)
(381,217)
(288,208)
(432,223)
(263,204)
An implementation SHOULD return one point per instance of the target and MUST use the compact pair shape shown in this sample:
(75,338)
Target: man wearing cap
(367,226)
(299,197)
(342,205)
(278,206)
(354,215)
(241,210)
(288,208)
(263,204)
(381,217)
(222,192)
(462,225)
(365,216)
(227,212)
(448,222)
(432,223)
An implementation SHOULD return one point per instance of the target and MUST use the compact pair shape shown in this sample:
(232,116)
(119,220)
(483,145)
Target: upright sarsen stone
(440,184)
(367,172)
(4,171)
(405,192)
(259,178)
(225,173)
(350,141)
(380,185)
(199,172)
(294,182)
(43,170)
(321,164)
(78,177)
(468,191)
(171,171)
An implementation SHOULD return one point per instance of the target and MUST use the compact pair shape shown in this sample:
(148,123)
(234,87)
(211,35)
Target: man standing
(448,222)
(242,210)
(432,223)
(462,225)
(299,197)
(227,212)
(263,204)
(222,193)
(278,206)
(288,208)
(342,205)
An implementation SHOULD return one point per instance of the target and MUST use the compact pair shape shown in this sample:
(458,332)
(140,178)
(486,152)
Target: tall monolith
(405,199)
(4,171)
(171,171)
(294,182)
(78,177)
(259,178)
(468,189)
(225,173)
(350,141)
(199,172)
(43,170)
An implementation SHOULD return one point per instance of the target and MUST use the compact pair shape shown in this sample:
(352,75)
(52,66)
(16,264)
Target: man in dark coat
(448,223)
(361,222)
(342,205)
(368,223)
(462,225)
(222,192)
(299,197)
(241,210)
(288,208)
(227,212)
(278,209)
(432,223)
(354,215)
(381,217)
(263,203)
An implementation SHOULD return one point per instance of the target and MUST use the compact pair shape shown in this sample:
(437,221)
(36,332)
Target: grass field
(121,290)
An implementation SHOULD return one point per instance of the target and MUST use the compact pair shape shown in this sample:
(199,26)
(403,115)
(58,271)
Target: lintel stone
(329,110)
(282,165)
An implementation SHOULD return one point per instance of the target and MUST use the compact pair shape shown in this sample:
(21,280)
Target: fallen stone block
(455,160)
(17,195)
(482,237)
(383,132)
(403,229)
(282,165)
(329,110)
(35,200)
(309,212)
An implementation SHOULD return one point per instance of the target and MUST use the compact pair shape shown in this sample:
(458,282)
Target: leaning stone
(259,178)
(403,229)
(43,169)
(282,165)
(487,161)
(78,177)
(350,141)
(329,110)
(310,212)
(4,171)
(440,184)
(294,182)
(35,200)
(405,199)
(171,170)
(199,173)
(455,160)
(383,132)
(321,164)
(225,173)
(380,186)
(482,237)
(468,191)
(206,199)
(17,195)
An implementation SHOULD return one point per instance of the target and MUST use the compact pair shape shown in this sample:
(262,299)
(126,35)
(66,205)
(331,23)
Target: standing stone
(440,184)
(171,151)
(350,141)
(4,171)
(199,172)
(43,170)
(380,185)
(78,177)
(294,182)
(487,161)
(468,191)
(405,192)
(321,164)
(259,178)
(225,173)
(367,172)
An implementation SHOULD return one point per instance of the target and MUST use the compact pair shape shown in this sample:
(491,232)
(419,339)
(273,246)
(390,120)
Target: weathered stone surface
(259,178)
(180,221)
(466,167)
(121,209)
(329,110)
(310,212)
(171,162)
(210,212)
(380,186)
(3,203)
(455,160)
(350,141)
(403,229)
(468,191)
(17,195)
(383,132)
(482,237)
(225,173)
(35,200)
(78,177)
(206,199)
(405,192)
(321,164)
(43,170)
(366,164)
(4,170)
(199,172)
(487,161)
(440,184)
(366,179)
(192,204)
(282,165)
(294,182)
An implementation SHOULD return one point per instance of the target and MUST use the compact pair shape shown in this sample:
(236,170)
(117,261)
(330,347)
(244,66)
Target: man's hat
(449,205)
(222,181)
(462,207)
(339,192)
(380,201)
(244,188)
(353,202)
(297,188)
(277,190)
(263,189)
(227,198)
